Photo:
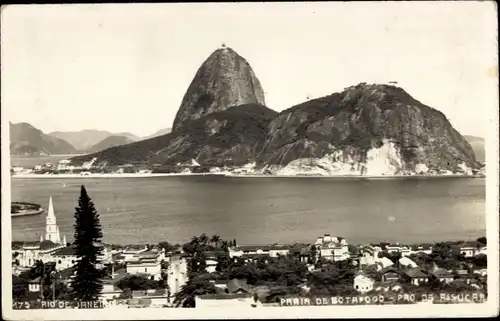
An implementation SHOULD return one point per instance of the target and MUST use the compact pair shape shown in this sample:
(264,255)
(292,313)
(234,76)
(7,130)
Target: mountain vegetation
(27,140)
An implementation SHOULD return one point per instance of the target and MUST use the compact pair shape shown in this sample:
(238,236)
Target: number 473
(21,305)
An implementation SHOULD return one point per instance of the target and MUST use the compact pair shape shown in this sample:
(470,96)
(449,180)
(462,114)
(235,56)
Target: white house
(363,283)
(34,285)
(276,250)
(332,248)
(397,248)
(211,265)
(148,263)
(64,258)
(472,249)
(130,253)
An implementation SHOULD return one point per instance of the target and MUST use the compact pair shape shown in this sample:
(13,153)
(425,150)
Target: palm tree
(185,297)
(215,240)
(203,239)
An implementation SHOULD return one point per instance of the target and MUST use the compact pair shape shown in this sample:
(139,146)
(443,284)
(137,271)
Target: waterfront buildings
(177,273)
(146,263)
(130,253)
(332,248)
(471,249)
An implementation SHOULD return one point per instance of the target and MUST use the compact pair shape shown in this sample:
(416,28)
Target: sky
(126,67)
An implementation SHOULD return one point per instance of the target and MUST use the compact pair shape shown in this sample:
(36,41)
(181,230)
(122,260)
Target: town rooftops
(440,273)
(36,280)
(416,273)
(385,262)
(42,246)
(65,251)
(149,293)
(148,255)
(224,296)
(253,248)
(406,261)
(134,248)
(388,269)
(471,244)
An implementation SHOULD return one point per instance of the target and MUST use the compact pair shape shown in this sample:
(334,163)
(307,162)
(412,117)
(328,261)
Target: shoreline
(111,175)
(147,175)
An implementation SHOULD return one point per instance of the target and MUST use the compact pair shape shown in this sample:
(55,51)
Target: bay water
(262,210)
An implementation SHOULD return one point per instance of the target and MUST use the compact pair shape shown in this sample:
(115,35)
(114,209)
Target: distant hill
(108,142)
(85,139)
(231,136)
(29,141)
(477,144)
(160,132)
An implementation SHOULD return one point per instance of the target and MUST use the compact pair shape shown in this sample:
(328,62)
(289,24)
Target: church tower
(51,228)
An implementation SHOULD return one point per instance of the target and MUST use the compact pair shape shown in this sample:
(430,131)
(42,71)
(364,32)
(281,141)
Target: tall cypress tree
(87,284)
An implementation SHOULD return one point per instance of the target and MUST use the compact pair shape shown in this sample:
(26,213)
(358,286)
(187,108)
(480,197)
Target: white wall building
(145,263)
(211,265)
(363,283)
(131,253)
(64,164)
(332,248)
(177,273)
(64,258)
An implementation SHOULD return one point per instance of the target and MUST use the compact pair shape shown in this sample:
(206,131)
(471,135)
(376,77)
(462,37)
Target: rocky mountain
(230,137)
(477,144)
(83,140)
(224,80)
(27,140)
(108,142)
(160,132)
(366,129)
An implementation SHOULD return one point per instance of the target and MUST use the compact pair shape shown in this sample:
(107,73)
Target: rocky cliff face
(366,129)
(225,79)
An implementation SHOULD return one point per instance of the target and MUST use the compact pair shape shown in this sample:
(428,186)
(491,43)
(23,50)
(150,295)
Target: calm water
(263,210)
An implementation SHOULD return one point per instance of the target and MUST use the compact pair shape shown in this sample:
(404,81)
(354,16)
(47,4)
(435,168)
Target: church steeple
(51,228)
(51,210)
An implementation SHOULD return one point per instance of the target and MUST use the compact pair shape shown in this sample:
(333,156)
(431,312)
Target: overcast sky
(126,67)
